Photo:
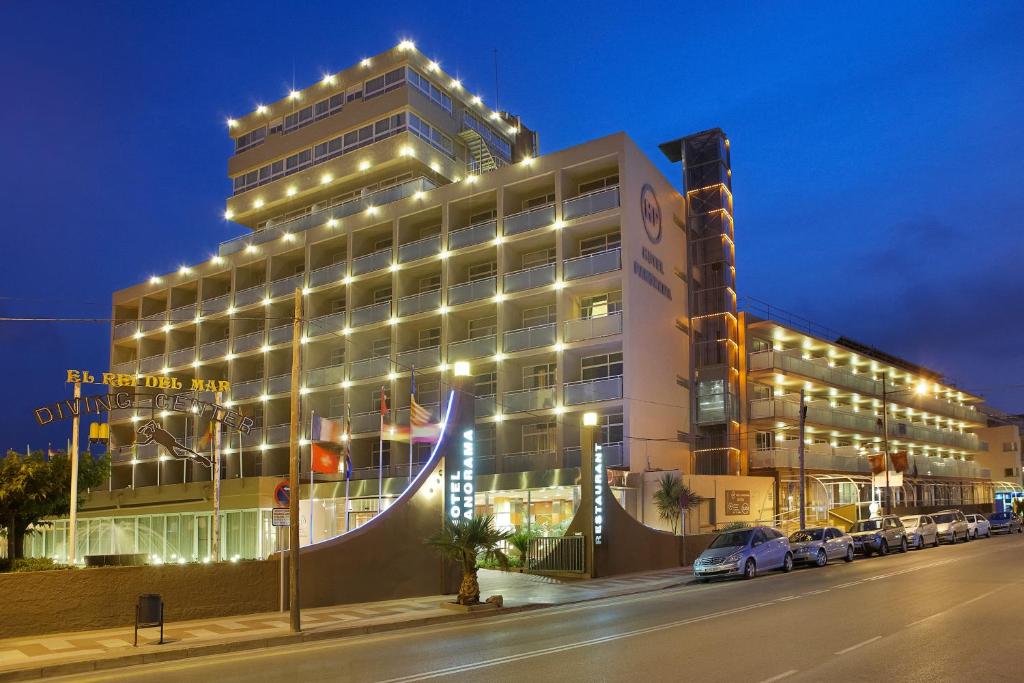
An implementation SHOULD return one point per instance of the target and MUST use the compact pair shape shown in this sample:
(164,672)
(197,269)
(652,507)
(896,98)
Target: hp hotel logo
(651,212)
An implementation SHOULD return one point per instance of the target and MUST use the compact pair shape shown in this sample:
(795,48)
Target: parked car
(921,531)
(978,526)
(820,544)
(951,526)
(879,535)
(1008,522)
(744,552)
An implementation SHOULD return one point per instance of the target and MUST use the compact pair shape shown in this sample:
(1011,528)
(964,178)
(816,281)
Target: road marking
(956,606)
(782,675)
(818,592)
(788,597)
(854,647)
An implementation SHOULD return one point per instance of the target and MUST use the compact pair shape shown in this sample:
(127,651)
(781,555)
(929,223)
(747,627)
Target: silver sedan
(820,544)
(921,531)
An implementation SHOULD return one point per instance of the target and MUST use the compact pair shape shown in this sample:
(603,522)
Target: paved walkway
(33,656)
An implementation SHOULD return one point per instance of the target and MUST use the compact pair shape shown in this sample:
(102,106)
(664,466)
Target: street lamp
(920,389)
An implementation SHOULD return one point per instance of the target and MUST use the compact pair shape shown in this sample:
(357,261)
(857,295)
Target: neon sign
(461,493)
(598,494)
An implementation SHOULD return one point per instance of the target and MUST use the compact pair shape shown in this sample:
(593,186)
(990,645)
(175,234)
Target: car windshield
(909,521)
(806,535)
(943,518)
(732,539)
(867,525)
(999,516)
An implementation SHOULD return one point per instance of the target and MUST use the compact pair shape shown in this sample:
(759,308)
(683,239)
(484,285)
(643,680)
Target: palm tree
(666,499)
(520,540)
(464,540)
(688,500)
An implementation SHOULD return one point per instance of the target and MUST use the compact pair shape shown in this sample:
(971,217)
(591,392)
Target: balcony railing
(366,422)
(374,313)
(413,251)
(370,367)
(841,459)
(528,399)
(588,391)
(183,314)
(125,368)
(151,363)
(286,285)
(216,304)
(318,218)
(593,328)
(278,434)
(127,329)
(420,358)
(592,202)
(472,291)
(181,357)
(478,233)
(486,406)
(785,409)
(154,321)
(585,266)
(253,438)
(529,278)
(532,219)
(932,435)
(774,360)
(535,461)
(371,262)
(280,334)
(472,348)
(326,324)
(418,303)
(614,456)
(279,384)
(530,337)
(250,295)
(248,342)
(332,374)
(328,274)
(247,389)
(214,349)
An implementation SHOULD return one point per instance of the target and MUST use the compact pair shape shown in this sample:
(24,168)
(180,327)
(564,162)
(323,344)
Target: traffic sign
(282,493)
(280,517)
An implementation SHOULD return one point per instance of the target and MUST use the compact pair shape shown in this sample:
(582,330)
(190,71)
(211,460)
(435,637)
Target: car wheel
(849,553)
(750,569)
(952,538)
(920,543)
(884,550)
(787,563)
(821,559)
(935,543)
(903,544)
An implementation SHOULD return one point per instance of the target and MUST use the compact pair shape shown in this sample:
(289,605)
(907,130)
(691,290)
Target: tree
(464,540)
(666,499)
(520,540)
(33,487)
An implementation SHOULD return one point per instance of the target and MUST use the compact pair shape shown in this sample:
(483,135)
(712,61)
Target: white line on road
(854,647)
(956,606)
(782,675)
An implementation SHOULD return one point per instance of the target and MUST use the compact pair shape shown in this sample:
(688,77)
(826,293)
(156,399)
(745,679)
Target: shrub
(34,564)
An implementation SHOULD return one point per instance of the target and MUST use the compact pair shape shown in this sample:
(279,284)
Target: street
(939,614)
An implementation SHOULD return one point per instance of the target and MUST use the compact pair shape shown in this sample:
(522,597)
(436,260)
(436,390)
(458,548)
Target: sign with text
(280,517)
(116,379)
(599,476)
(737,503)
(460,453)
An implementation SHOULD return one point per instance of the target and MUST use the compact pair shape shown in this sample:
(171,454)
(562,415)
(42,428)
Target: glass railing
(614,456)
(328,274)
(528,399)
(278,434)
(374,313)
(592,202)
(216,304)
(250,295)
(253,438)
(151,363)
(366,422)
(418,303)
(529,462)
(286,285)
(125,329)
(248,389)
(790,410)
(420,358)
(154,321)
(183,314)
(472,291)
(326,324)
(126,368)
(530,337)
(248,342)
(214,349)
(588,391)
(371,262)
(478,233)
(279,384)
(181,357)
(370,367)
(592,328)
(318,377)
(525,221)
(472,348)
(428,246)
(280,334)
(538,276)
(765,360)
(318,218)
(486,406)
(584,266)
(932,435)
(842,460)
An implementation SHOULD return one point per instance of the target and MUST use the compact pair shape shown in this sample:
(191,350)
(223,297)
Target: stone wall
(105,597)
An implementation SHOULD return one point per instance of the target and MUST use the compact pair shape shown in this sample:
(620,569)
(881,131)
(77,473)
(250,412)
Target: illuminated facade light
(526,160)
(442,311)
(405,150)
(495,115)
(558,225)
(137,335)
(265,349)
(406,45)
(364,165)
(261,109)
(288,237)
(294,94)
(559,284)
(346,384)
(154,280)
(393,321)
(456,84)
(444,254)
(558,347)
(559,410)
(251,249)
(266,301)
(395,266)
(258,204)
(499,356)
(499,297)
(167,328)
(326,178)
(195,364)
(328,79)
(498,417)
(435,167)
(461,368)
(291,191)
(433,65)
(365,63)
(477,100)
(392,376)
(216,260)
(346,331)
(371,211)
(590,419)
(417,195)
(306,291)
(232,123)
(264,397)
(231,310)
(332,223)
(228,214)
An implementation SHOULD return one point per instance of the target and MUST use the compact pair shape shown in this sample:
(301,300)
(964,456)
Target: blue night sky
(877,150)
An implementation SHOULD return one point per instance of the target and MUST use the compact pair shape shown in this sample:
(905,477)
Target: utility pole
(293,471)
(215,426)
(886,505)
(800,454)
(72,550)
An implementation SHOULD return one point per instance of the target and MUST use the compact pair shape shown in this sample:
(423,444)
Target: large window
(601,366)
(599,243)
(483,327)
(423,84)
(431,135)
(600,305)
(539,437)
(539,376)
(250,139)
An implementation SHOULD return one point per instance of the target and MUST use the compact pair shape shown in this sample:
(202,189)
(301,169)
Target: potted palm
(465,541)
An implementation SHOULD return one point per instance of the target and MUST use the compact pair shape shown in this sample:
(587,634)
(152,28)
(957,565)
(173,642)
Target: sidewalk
(82,651)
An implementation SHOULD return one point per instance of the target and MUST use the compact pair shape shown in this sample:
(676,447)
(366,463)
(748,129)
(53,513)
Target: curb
(89,665)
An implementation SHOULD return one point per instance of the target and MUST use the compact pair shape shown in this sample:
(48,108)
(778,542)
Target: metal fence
(557,554)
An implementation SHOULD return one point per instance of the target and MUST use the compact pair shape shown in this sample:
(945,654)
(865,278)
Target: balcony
(592,202)
(486,406)
(331,374)
(478,233)
(524,221)
(216,304)
(420,358)
(318,218)
(472,348)
(181,357)
(328,274)
(846,459)
(402,414)
(183,314)
(585,266)
(614,456)
(533,461)
(279,384)
(816,369)
(214,349)
(418,303)
(530,337)
(529,278)
(325,324)
(593,328)
(122,330)
(247,389)
(589,391)
(370,367)
(278,434)
(253,439)
(472,291)
(151,364)
(782,409)
(286,285)
(944,437)
(125,368)
(938,406)
(154,321)
(250,295)
(413,251)
(281,334)
(366,422)
(369,263)
(248,342)
(529,399)
(374,313)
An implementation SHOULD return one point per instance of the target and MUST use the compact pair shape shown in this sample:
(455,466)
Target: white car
(979,526)
(921,531)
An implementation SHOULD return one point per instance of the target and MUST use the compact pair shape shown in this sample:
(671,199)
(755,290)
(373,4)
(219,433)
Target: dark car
(1004,522)
(879,535)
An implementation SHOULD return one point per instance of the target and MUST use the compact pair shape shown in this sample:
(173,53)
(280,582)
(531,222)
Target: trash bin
(149,613)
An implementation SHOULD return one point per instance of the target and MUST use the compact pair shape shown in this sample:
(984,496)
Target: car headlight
(735,557)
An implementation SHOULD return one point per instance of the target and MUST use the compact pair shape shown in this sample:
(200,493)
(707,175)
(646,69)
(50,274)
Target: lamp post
(921,389)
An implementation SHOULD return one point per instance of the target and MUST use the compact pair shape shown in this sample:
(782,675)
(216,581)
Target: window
(539,200)
(428,391)
(539,376)
(541,315)
(382,243)
(611,428)
(380,452)
(486,384)
(599,184)
(482,271)
(381,347)
(485,439)
(600,305)
(483,216)
(382,294)
(429,338)
(338,355)
(541,257)
(764,441)
(483,327)
(539,437)
(431,135)
(600,243)
(431,283)
(338,305)
(601,366)
(250,139)
(421,83)
(495,142)
(1009,472)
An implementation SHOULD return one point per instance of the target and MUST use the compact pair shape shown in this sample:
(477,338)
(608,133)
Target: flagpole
(312,415)
(380,455)
(412,397)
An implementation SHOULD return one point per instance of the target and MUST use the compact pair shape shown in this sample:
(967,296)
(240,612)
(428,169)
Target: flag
(421,429)
(347,464)
(383,402)
(899,461)
(394,433)
(205,438)
(325,460)
(877,461)
(326,429)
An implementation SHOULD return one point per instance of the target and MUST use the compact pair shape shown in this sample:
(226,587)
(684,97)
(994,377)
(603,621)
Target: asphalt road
(941,614)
